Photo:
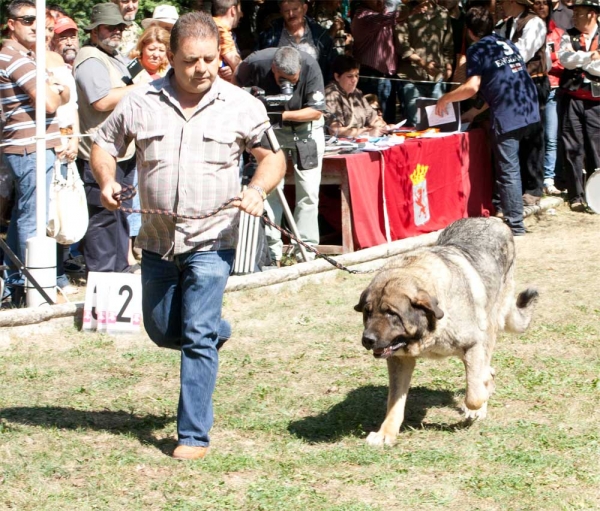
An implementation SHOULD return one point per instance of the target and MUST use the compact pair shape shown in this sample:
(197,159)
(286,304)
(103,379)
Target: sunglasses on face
(113,28)
(26,20)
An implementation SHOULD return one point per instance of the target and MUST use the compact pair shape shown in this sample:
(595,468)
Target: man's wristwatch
(260,190)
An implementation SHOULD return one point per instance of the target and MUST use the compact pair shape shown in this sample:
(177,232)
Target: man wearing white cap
(164,16)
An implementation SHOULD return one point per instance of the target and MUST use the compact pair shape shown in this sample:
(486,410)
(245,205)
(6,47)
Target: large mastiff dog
(450,299)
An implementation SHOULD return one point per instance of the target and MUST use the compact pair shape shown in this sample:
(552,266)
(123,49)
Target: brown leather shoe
(530,200)
(577,205)
(189,452)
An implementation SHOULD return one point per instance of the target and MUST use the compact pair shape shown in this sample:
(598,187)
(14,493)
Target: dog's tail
(520,314)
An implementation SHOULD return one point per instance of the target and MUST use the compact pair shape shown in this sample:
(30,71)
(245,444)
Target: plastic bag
(68,212)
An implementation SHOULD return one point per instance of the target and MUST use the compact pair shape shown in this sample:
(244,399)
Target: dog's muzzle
(370,343)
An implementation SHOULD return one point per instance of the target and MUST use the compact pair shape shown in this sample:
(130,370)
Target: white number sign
(113,303)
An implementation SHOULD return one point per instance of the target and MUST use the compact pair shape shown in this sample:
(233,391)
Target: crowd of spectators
(371,60)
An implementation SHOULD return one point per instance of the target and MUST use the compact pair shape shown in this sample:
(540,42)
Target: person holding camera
(295,97)
(102,79)
(579,53)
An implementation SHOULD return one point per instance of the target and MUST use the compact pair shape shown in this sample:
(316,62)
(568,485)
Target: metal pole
(290,219)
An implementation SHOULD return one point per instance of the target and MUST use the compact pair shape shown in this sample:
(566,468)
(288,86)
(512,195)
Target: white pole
(40,116)
(41,250)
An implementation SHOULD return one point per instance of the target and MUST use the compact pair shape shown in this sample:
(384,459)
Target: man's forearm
(302,115)
(270,170)
(109,102)
(104,166)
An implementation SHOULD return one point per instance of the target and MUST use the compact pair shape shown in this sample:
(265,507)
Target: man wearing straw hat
(164,16)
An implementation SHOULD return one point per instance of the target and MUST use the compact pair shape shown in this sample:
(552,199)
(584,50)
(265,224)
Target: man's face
(128,8)
(195,64)
(23,27)
(584,18)
(281,77)
(293,12)
(109,36)
(66,44)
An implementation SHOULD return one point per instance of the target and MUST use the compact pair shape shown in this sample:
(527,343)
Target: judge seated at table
(348,112)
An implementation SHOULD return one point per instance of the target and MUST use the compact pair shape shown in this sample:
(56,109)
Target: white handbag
(68,212)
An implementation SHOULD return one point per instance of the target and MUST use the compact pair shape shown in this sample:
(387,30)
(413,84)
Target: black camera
(275,101)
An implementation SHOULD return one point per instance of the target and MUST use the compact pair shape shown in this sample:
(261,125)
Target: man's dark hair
(197,25)
(15,7)
(344,63)
(220,7)
(479,21)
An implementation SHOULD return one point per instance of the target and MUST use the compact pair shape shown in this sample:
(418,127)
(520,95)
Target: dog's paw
(475,415)
(379,439)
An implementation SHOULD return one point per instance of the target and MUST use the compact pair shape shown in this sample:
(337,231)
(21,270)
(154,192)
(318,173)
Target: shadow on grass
(116,422)
(364,409)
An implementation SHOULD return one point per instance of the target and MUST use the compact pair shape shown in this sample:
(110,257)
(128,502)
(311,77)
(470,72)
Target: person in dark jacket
(296,29)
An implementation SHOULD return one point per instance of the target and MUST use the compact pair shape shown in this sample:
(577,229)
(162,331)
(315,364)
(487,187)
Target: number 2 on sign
(120,317)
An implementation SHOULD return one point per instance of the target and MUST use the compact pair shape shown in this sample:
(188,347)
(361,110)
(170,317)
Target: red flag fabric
(428,183)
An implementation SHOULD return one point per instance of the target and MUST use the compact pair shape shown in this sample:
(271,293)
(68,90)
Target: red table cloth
(422,185)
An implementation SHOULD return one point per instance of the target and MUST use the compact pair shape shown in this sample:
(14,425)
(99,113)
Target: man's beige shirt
(188,166)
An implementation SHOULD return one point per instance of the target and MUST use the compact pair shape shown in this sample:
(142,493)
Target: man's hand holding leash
(252,201)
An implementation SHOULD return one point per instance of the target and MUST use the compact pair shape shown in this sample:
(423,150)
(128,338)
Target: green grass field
(88,421)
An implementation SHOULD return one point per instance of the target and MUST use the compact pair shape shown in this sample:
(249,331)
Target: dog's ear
(425,301)
(359,307)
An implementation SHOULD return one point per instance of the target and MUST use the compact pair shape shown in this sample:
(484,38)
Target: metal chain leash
(128,192)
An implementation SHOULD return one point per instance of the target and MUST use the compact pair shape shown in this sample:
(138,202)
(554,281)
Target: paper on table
(435,120)
(399,125)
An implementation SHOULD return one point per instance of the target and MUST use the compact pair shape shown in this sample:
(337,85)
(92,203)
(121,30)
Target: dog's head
(395,314)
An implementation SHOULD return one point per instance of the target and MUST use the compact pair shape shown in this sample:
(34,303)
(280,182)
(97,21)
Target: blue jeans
(23,218)
(181,304)
(508,176)
(551,138)
(411,91)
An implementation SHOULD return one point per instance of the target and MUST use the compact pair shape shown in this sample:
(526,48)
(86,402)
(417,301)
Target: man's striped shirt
(17,82)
